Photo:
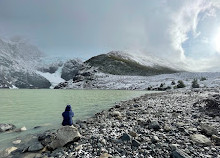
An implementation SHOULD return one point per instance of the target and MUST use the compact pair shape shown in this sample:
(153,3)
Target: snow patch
(54,78)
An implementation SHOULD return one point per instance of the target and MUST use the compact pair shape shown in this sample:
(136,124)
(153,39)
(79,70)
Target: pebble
(16,142)
(155,139)
(125,137)
(135,143)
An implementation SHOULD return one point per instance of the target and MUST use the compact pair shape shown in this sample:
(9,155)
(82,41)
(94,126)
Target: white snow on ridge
(54,78)
(107,81)
(146,60)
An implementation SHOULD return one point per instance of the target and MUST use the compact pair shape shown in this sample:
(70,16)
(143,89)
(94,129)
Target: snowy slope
(107,81)
(122,63)
(18,62)
(19,55)
(146,60)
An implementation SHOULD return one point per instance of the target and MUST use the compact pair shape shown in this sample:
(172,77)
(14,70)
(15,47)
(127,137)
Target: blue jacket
(67,116)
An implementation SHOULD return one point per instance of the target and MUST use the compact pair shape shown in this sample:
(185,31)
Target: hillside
(120,63)
(18,61)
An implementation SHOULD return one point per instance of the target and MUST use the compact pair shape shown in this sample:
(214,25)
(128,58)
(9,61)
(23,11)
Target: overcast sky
(181,30)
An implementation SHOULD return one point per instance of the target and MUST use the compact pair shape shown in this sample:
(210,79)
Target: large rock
(105,155)
(116,114)
(208,130)
(125,137)
(16,142)
(155,139)
(47,137)
(135,143)
(201,139)
(8,151)
(22,129)
(64,136)
(29,143)
(216,139)
(179,154)
(35,147)
(212,105)
(154,125)
(6,127)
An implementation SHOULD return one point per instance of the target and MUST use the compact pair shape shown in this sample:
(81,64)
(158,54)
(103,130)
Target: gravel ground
(168,124)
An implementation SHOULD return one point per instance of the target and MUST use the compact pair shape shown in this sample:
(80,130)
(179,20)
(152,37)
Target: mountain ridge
(23,65)
(119,63)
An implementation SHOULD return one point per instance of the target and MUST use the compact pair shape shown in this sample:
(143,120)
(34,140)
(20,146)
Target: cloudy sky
(186,31)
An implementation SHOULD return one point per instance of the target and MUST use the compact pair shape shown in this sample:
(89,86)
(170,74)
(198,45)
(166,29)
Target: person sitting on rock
(67,116)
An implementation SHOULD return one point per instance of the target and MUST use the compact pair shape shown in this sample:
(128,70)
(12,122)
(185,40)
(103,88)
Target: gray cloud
(85,28)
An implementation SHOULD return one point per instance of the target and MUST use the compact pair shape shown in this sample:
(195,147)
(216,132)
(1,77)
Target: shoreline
(149,125)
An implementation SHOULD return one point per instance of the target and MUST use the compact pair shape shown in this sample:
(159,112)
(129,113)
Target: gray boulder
(208,130)
(6,127)
(135,143)
(47,137)
(125,137)
(65,135)
(35,147)
(201,139)
(216,140)
(154,125)
(179,154)
(29,143)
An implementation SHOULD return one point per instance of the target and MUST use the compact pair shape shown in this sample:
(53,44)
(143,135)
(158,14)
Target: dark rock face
(61,85)
(4,83)
(6,127)
(30,80)
(23,79)
(210,106)
(50,69)
(70,69)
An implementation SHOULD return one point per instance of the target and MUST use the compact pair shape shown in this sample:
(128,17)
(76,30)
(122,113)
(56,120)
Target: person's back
(67,116)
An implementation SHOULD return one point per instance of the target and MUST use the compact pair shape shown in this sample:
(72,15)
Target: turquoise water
(31,107)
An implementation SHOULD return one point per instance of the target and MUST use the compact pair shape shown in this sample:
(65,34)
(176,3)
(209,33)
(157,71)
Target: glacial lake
(44,107)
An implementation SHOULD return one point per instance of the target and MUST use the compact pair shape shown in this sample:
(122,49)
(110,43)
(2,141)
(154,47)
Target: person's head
(68,108)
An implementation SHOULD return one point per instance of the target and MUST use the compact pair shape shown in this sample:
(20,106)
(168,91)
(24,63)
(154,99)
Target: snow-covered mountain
(146,60)
(23,65)
(122,63)
(18,62)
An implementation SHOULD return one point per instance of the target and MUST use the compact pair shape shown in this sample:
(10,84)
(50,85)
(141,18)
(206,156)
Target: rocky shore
(178,124)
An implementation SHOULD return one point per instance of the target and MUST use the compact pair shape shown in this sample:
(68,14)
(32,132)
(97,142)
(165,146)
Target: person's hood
(68,108)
